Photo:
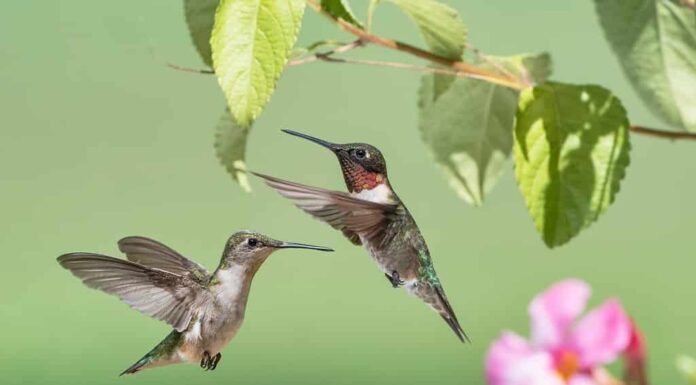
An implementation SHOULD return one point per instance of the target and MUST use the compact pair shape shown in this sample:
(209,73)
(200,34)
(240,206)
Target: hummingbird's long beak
(329,145)
(293,245)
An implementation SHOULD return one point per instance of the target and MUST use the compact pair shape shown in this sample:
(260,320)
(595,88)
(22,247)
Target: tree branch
(673,135)
(466,69)
(455,67)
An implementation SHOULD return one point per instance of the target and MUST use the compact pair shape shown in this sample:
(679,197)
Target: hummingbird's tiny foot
(394,279)
(214,361)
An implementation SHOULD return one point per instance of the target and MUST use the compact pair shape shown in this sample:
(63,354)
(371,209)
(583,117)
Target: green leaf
(441,27)
(571,149)
(655,41)
(534,69)
(467,124)
(251,42)
(230,148)
(340,9)
(687,366)
(200,15)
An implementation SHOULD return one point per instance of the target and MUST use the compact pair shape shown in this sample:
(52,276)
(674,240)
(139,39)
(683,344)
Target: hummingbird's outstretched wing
(151,253)
(160,294)
(354,217)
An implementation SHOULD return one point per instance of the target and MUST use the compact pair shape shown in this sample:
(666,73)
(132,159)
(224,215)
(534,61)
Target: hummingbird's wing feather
(151,253)
(160,294)
(354,217)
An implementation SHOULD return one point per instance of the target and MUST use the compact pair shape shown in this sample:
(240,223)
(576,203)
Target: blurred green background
(99,140)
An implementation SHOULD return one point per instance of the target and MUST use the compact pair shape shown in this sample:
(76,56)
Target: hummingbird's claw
(209,362)
(394,278)
(214,361)
(205,361)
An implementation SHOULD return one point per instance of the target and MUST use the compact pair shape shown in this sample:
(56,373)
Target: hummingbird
(372,215)
(205,310)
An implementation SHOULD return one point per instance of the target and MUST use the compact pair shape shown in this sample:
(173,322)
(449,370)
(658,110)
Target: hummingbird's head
(250,247)
(362,164)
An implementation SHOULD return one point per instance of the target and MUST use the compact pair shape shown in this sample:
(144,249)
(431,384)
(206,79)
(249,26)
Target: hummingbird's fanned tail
(158,356)
(447,314)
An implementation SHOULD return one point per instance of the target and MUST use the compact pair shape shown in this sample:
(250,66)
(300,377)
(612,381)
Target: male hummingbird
(372,215)
(206,310)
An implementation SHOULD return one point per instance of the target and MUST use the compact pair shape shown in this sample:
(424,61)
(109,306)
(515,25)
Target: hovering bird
(372,215)
(206,310)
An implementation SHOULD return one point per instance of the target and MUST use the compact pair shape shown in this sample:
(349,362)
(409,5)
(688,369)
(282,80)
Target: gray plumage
(206,310)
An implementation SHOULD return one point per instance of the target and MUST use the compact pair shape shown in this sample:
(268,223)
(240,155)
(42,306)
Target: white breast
(380,194)
(195,333)
(230,285)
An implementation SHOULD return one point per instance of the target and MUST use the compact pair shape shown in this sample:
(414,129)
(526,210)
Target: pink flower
(560,351)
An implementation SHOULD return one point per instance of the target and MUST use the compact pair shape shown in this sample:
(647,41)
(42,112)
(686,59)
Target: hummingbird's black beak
(329,145)
(293,245)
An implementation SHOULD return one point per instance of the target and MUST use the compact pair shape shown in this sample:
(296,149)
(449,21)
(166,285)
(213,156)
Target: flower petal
(581,379)
(512,361)
(553,311)
(509,349)
(602,335)
(635,371)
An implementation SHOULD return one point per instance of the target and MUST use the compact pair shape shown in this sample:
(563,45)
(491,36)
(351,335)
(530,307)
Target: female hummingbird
(372,215)
(206,310)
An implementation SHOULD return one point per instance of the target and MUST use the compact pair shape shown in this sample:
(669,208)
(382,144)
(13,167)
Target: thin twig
(467,69)
(191,70)
(405,66)
(673,135)
(340,49)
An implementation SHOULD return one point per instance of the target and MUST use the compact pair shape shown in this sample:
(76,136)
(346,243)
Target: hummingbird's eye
(252,242)
(360,153)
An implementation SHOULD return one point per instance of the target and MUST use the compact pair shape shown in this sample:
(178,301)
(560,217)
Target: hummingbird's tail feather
(454,325)
(137,366)
(447,314)
(434,296)
(158,356)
